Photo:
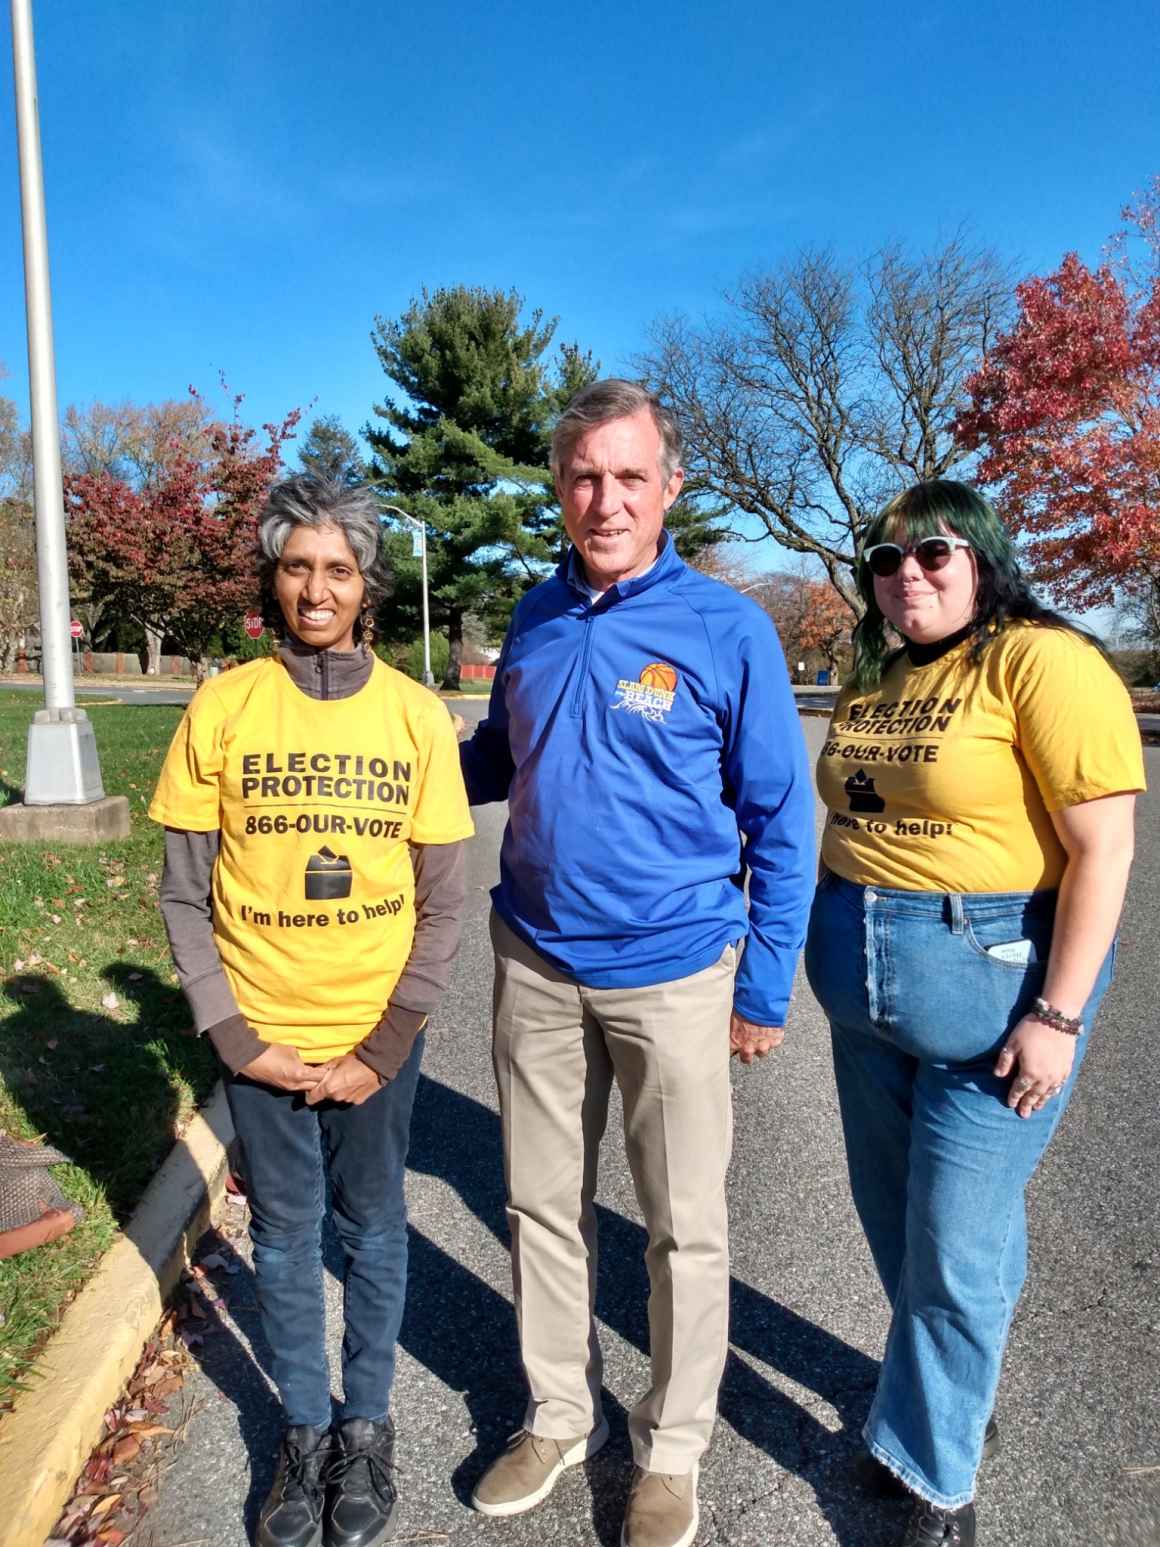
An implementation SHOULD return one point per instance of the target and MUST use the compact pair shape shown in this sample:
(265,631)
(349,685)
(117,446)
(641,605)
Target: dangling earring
(366,620)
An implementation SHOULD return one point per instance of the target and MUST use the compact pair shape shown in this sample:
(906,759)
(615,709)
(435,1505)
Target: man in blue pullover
(641,726)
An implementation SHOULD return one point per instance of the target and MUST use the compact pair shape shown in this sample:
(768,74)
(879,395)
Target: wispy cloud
(222,175)
(703,218)
(384,191)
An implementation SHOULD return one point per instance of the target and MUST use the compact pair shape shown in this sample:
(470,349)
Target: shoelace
(542,1445)
(298,1481)
(380,1474)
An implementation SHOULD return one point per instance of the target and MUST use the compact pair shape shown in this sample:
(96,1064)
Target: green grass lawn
(94,1053)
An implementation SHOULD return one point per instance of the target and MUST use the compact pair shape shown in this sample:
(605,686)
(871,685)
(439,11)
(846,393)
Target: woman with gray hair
(315,817)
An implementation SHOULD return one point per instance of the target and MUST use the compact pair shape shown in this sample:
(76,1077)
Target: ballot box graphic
(328,876)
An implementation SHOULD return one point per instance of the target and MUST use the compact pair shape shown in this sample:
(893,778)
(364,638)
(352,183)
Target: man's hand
(282,1067)
(749,1041)
(345,1079)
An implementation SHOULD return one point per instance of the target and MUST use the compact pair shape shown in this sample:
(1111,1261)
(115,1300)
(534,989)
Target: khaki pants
(557,1047)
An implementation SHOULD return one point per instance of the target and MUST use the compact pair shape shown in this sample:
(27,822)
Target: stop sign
(76,629)
(253,625)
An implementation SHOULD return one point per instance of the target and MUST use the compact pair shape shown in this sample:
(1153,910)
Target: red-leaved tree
(827,623)
(1065,410)
(177,553)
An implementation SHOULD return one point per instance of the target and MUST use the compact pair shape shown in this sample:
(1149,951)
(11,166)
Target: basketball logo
(659,675)
(651,696)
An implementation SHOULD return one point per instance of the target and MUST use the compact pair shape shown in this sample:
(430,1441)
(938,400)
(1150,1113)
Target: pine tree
(465,451)
(330,451)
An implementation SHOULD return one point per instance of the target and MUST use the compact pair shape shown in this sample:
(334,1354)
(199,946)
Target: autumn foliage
(176,553)
(1066,412)
(810,617)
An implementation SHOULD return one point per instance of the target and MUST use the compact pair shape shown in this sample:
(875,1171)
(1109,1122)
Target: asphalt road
(117,692)
(1080,1455)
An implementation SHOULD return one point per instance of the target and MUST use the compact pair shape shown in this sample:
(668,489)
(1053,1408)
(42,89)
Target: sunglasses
(932,553)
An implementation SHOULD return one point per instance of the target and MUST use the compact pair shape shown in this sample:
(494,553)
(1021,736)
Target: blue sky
(243,186)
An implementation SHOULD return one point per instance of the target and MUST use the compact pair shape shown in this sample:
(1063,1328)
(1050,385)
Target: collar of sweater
(326,673)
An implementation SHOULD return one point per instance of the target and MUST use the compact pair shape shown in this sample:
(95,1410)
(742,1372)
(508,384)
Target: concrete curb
(47,1437)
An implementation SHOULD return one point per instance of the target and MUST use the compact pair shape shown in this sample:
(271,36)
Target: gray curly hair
(305,500)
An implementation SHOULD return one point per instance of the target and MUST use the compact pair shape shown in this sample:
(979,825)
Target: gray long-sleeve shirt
(186,906)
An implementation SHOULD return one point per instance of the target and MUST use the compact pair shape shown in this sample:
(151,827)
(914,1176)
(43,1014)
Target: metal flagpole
(62,752)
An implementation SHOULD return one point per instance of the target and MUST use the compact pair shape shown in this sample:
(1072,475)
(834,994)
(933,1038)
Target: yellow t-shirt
(943,778)
(316,800)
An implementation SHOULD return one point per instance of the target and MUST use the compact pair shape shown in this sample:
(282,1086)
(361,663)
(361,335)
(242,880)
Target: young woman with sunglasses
(979,784)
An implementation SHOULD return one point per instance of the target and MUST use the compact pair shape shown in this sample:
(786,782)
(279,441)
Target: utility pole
(63,794)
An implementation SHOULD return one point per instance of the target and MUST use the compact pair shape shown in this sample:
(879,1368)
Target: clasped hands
(345,1079)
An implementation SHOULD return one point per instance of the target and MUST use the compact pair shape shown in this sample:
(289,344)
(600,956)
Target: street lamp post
(62,765)
(419,526)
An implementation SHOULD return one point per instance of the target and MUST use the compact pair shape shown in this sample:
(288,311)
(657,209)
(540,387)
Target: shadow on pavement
(463,1332)
(457,1139)
(244,1383)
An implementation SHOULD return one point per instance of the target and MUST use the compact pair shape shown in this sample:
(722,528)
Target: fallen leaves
(126,1449)
(141,1431)
(119,1482)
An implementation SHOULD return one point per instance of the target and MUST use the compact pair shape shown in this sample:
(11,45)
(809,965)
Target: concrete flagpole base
(98,821)
(63,767)
(64,798)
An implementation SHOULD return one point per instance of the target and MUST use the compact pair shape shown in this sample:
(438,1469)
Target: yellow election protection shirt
(944,777)
(316,800)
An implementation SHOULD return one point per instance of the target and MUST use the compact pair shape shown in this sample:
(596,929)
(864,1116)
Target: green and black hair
(935,508)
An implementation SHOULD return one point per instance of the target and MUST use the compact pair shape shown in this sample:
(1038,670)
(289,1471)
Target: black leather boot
(292,1514)
(930,1526)
(360,1483)
(880,1482)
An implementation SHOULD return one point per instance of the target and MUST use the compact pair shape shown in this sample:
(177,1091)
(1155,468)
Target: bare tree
(722,561)
(1138,610)
(137,442)
(825,387)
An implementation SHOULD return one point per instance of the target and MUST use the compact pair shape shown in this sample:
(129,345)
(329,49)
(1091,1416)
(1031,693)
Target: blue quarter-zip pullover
(636,739)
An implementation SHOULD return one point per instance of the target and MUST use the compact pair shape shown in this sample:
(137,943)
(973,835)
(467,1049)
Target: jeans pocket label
(1020,952)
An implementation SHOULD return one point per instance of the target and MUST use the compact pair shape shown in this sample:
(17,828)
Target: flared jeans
(921,990)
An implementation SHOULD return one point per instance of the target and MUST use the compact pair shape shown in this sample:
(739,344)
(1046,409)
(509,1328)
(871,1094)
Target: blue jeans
(919,1006)
(290,1149)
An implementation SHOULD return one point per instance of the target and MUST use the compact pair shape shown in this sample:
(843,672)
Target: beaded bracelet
(1050,1016)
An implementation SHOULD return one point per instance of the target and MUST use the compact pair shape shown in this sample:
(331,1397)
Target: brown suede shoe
(529,1469)
(662,1510)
